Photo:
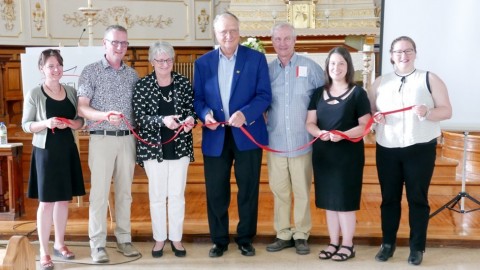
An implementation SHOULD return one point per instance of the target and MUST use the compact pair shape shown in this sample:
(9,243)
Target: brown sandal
(64,253)
(46,263)
(328,254)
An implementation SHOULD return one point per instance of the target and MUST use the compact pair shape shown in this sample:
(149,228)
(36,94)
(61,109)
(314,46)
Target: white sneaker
(127,249)
(99,255)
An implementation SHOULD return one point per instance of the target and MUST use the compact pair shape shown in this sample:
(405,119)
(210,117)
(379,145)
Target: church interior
(321,25)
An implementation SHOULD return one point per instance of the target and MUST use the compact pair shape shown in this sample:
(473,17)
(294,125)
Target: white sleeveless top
(404,129)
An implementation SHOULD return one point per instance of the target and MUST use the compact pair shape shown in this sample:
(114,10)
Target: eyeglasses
(407,52)
(115,43)
(229,32)
(168,61)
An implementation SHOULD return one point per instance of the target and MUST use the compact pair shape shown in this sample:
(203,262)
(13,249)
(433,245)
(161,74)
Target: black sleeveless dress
(56,172)
(338,166)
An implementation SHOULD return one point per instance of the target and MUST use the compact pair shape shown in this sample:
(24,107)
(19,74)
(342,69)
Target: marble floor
(450,258)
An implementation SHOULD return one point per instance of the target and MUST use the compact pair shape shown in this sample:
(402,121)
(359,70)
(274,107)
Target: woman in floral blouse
(162,101)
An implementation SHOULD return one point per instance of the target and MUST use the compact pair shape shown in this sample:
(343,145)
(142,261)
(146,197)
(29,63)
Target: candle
(89,3)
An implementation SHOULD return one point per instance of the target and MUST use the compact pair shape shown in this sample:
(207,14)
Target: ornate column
(90,13)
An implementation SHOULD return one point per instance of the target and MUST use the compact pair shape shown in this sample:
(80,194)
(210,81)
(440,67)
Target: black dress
(56,172)
(338,166)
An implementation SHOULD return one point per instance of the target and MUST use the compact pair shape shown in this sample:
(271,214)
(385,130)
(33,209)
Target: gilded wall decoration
(38,16)
(119,15)
(203,19)
(7,9)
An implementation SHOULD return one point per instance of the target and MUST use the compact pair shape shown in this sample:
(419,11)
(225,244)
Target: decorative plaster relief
(203,20)
(38,16)
(119,15)
(7,9)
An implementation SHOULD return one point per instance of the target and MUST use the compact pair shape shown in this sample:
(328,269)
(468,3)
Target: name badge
(301,71)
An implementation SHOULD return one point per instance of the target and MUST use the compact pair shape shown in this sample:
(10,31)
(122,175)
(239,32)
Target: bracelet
(422,118)
(427,113)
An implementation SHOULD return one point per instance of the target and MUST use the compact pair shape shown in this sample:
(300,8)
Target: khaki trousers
(287,177)
(110,159)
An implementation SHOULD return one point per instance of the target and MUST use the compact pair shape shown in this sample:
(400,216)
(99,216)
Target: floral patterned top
(146,98)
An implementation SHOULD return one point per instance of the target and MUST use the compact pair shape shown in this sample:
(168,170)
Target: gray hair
(160,47)
(114,27)
(283,25)
(222,15)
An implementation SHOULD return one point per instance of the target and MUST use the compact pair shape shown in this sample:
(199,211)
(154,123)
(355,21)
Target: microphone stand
(463,194)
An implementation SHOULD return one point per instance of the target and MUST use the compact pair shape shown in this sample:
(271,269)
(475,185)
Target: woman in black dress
(338,163)
(50,113)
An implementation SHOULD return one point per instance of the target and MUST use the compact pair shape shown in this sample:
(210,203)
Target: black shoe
(280,244)
(157,253)
(415,257)
(217,251)
(247,249)
(302,247)
(178,252)
(386,251)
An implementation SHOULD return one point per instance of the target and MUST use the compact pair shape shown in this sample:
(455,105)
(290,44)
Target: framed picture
(301,14)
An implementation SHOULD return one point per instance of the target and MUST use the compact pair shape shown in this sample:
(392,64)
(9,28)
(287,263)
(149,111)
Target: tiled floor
(197,258)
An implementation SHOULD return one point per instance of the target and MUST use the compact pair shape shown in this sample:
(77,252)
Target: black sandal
(328,254)
(343,256)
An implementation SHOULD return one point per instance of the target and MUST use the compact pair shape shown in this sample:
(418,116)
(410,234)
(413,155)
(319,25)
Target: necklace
(403,78)
(167,99)
(53,92)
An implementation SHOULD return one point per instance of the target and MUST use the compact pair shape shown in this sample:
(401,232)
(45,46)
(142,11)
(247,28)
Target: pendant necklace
(403,78)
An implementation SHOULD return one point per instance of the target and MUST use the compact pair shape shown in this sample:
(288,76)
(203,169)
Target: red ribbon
(63,120)
(249,136)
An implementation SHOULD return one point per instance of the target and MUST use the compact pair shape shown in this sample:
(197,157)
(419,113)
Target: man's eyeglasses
(115,43)
(168,61)
(407,52)
(229,32)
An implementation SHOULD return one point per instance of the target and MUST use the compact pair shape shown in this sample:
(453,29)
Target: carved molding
(7,11)
(119,15)
(38,16)
(203,20)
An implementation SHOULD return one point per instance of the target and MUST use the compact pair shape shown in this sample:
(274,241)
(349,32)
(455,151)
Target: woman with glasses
(50,113)
(406,144)
(162,102)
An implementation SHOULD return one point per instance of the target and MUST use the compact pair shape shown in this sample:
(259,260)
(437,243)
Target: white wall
(74,60)
(448,44)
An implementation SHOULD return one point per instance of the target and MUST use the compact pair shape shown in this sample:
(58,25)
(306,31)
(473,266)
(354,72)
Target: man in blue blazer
(232,90)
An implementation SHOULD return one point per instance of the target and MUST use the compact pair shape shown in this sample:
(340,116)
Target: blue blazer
(251,94)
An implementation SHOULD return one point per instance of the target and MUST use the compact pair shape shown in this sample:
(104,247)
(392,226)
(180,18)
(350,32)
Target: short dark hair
(349,77)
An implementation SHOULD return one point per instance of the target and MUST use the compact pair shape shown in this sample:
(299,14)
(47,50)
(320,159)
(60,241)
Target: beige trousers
(291,177)
(110,158)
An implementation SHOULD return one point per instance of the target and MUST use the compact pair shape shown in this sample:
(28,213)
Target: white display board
(74,60)
(447,37)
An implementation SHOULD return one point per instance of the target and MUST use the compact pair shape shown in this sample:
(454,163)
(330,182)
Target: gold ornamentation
(38,16)
(7,8)
(119,15)
(203,20)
